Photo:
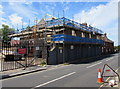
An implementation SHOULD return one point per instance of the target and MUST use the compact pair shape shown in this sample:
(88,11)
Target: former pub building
(61,40)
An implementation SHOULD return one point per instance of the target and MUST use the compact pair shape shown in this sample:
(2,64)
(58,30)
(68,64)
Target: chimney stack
(105,35)
(85,24)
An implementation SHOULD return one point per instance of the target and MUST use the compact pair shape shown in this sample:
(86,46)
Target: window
(61,50)
(71,47)
(73,33)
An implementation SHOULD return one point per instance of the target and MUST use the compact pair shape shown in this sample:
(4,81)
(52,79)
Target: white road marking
(93,65)
(109,59)
(54,80)
(36,72)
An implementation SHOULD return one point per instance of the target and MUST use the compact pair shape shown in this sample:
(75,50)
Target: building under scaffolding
(62,40)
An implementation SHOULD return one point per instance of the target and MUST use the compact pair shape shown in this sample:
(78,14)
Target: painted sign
(71,47)
(61,50)
(22,51)
(37,48)
(108,71)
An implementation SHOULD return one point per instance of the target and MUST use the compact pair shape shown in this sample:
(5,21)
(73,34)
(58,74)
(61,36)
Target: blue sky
(97,14)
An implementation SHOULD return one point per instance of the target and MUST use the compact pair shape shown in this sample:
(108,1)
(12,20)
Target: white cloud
(1,14)
(103,17)
(112,33)
(1,6)
(1,10)
(56,0)
(28,2)
(66,8)
(12,22)
(25,11)
(4,21)
(22,10)
(15,19)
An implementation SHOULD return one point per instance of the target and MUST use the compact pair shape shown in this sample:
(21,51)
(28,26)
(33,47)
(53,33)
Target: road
(74,75)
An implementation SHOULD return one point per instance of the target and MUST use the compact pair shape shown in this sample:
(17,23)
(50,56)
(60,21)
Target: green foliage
(4,32)
(117,47)
(66,63)
(43,63)
(29,28)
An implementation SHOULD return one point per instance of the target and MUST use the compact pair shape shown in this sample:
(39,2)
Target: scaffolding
(67,22)
(41,38)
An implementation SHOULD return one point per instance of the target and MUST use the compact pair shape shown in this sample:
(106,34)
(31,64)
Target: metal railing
(21,54)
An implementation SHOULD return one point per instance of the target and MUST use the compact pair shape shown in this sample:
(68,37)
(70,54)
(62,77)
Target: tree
(117,48)
(28,28)
(5,31)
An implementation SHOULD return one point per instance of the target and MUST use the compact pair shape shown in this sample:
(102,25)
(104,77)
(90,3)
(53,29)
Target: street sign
(108,71)
(37,48)
(22,51)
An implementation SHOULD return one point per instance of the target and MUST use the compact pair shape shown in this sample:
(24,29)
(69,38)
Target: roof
(68,22)
(15,42)
(106,39)
(60,22)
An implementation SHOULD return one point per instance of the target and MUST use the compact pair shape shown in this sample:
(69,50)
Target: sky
(102,15)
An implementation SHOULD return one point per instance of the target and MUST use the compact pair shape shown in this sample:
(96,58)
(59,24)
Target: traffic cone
(99,76)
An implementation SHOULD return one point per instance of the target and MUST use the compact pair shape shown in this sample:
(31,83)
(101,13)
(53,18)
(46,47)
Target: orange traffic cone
(99,76)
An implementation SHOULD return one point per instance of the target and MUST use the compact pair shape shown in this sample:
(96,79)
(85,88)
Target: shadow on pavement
(90,60)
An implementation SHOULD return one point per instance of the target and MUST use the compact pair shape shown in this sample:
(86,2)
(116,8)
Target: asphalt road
(74,75)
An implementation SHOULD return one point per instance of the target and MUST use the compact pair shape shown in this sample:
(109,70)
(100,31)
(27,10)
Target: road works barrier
(108,72)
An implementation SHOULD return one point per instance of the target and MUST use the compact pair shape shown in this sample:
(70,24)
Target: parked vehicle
(2,56)
(11,55)
(5,52)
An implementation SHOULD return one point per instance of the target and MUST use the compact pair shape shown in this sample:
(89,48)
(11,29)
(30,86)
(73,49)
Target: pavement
(21,71)
(76,74)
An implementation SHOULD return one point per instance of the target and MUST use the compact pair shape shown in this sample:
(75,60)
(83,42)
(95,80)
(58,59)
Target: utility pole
(44,42)
(34,32)
(63,34)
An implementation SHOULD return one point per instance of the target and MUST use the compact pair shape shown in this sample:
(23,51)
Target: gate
(29,50)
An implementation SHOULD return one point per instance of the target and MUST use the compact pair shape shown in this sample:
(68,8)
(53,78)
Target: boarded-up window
(61,50)
(71,47)
(73,33)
